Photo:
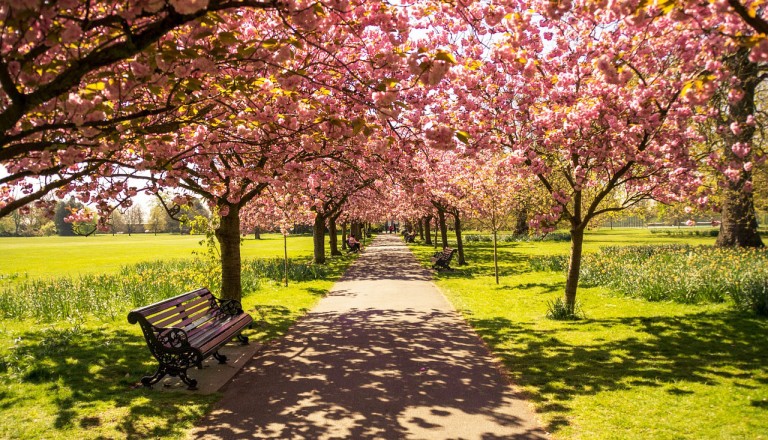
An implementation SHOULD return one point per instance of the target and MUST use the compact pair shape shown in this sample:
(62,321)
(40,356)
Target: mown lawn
(77,379)
(55,256)
(633,369)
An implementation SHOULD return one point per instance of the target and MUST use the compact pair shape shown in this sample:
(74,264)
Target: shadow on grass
(84,371)
(88,373)
(699,348)
(510,263)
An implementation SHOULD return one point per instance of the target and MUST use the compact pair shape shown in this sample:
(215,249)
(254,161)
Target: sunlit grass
(40,257)
(76,378)
(633,369)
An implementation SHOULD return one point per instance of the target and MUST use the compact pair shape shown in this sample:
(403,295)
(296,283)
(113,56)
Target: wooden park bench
(184,330)
(441,260)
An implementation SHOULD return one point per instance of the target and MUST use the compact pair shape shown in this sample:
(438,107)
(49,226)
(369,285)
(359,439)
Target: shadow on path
(383,356)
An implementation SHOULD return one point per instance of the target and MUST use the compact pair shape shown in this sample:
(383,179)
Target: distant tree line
(36,222)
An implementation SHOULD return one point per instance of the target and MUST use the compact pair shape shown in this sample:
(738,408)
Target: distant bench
(441,260)
(184,330)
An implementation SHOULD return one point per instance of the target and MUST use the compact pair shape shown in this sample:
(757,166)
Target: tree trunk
(443,227)
(459,242)
(421,228)
(318,238)
(256,233)
(739,222)
(495,257)
(574,266)
(355,230)
(427,232)
(228,236)
(344,235)
(333,237)
(521,222)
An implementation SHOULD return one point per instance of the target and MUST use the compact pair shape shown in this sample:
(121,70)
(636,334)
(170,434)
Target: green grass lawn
(77,379)
(55,256)
(633,369)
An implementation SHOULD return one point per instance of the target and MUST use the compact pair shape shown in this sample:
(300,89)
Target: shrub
(552,236)
(478,238)
(752,296)
(558,310)
(112,296)
(552,263)
(682,273)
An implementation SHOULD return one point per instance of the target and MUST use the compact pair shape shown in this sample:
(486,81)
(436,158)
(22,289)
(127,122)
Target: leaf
(228,38)
(95,87)
(445,56)
(270,43)
(357,125)
(319,9)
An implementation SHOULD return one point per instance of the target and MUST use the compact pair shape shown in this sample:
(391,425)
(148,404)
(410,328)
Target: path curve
(383,356)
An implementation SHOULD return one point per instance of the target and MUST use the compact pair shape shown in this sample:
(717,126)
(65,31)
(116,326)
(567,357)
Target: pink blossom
(741,149)
(733,174)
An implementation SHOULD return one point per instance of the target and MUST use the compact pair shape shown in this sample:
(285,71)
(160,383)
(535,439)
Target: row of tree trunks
(333,238)
(443,227)
(441,221)
(427,232)
(318,238)
(459,243)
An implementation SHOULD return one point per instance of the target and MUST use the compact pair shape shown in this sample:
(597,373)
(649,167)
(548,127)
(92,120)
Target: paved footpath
(383,356)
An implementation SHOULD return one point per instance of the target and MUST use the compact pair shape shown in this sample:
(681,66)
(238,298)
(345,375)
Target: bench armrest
(173,337)
(229,306)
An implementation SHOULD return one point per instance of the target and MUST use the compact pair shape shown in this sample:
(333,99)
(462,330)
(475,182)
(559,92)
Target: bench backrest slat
(185,308)
(180,313)
(169,303)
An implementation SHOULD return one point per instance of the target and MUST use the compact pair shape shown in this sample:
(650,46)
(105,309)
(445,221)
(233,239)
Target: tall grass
(552,236)
(109,296)
(680,273)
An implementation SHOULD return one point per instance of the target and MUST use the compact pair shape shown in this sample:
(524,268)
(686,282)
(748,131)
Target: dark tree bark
(427,232)
(318,238)
(356,230)
(420,222)
(228,236)
(344,235)
(574,265)
(256,233)
(521,222)
(459,243)
(739,222)
(333,237)
(443,227)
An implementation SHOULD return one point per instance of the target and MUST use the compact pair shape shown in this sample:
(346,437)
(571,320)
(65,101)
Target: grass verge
(77,378)
(632,369)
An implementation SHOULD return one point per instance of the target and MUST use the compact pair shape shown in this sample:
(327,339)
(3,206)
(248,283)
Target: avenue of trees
(522,113)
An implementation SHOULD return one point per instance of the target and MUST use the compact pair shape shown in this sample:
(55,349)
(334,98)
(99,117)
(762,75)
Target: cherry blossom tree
(497,192)
(222,107)
(598,107)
